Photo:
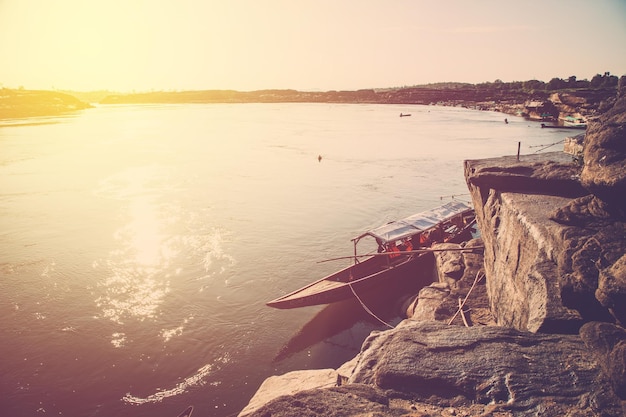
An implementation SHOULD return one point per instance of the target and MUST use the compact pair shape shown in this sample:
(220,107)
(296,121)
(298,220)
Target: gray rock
(425,305)
(449,264)
(530,373)
(548,173)
(523,248)
(608,344)
(593,273)
(356,400)
(611,291)
(550,255)
(289,384)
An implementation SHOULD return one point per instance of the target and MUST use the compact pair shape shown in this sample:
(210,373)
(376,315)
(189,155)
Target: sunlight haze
(303,45)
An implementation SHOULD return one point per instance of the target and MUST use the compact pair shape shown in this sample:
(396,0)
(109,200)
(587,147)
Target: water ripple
(196,379)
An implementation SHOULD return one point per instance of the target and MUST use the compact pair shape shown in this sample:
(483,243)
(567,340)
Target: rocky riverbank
(541,332)
(531,99)
(535,104)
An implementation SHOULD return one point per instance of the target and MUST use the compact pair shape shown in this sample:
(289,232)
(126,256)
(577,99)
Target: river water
(139,243)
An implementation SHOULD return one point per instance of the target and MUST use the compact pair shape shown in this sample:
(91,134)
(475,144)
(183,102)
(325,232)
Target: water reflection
(197,379)
(180,388)
(118,340)
(144,235)
(330,321)
(137,284)
(130,293)
(385,304)
(168,334)
(156,250)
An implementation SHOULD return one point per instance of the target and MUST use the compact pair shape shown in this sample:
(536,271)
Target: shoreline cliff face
(545,333)
(556,260)
(524,247)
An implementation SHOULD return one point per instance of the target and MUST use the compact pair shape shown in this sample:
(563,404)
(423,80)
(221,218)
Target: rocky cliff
(534,327)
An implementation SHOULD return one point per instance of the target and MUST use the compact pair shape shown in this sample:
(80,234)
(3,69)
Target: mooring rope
(543,147)
(479,276)
(370,312)
(454,197)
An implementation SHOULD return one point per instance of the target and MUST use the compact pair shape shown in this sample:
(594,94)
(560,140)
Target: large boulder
(429,368)
(488,365)
(608,343)
(290,383)
(611,291)
(523,245)
(534,174)
(359,400)
(460,282)
(355,400)
(592,270)
(551,249)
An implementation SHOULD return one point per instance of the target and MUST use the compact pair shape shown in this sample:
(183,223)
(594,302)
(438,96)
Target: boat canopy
(417,223)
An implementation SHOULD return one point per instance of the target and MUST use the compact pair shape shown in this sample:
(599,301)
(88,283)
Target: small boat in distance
(402,247)
(405,114)
(580,126)
(575,122)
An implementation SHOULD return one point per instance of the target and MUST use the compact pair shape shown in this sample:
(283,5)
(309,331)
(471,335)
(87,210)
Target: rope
(367,309)
(454,197)
(479,276)
(546,146)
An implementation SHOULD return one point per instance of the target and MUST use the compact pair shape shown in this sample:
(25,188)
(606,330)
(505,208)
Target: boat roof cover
(402,229)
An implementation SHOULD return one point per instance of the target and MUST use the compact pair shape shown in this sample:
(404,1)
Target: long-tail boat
(401,245)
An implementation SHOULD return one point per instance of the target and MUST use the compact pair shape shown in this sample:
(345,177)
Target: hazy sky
(140,45)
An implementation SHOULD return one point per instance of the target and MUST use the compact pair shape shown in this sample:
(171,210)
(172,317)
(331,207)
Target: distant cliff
(32,103)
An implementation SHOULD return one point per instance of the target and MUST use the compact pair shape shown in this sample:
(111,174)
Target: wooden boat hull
(451,222)
(368,275)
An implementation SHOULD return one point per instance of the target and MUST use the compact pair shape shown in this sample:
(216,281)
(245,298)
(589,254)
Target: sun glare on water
(136,285)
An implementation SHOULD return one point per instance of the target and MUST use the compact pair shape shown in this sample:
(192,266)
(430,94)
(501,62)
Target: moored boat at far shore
(575,122)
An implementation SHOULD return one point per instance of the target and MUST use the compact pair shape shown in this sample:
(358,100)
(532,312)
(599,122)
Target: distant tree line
(598,81)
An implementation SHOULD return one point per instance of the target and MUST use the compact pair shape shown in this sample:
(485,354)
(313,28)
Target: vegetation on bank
(599,88)
(599,81)
(32,103)
(497,95)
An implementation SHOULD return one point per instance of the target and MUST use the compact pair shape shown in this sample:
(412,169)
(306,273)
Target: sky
(245,45)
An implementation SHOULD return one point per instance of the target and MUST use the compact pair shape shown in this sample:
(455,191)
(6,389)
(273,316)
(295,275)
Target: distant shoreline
(18,104)
(505,98)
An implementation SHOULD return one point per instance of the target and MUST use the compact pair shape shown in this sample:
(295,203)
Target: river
(140,243)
